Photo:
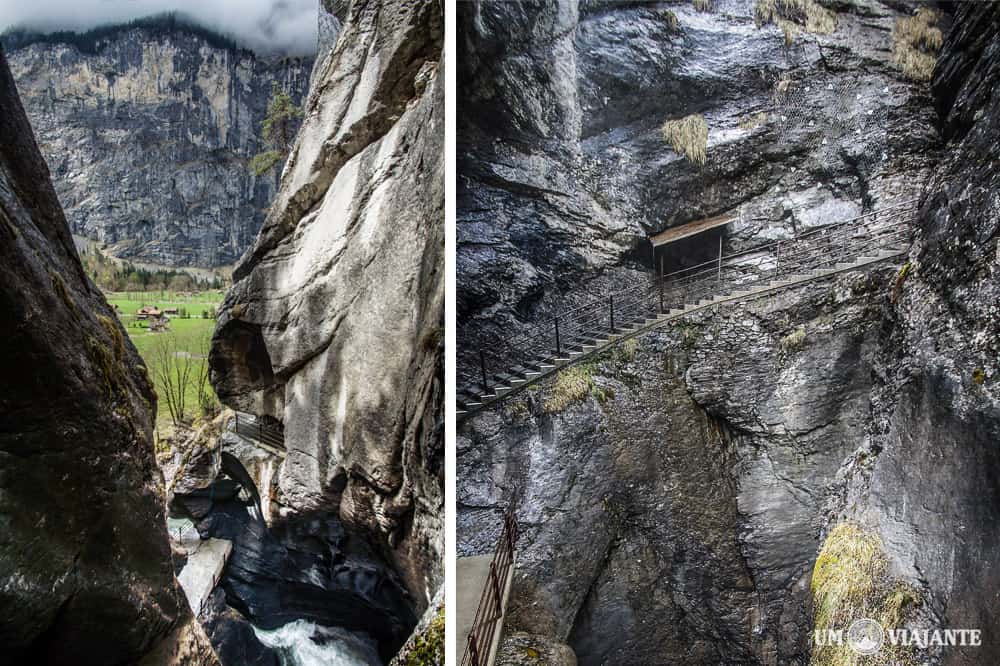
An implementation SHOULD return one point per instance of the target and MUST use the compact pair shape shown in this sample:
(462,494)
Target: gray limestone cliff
(85,567)
(676,512)
(333,327)
(149,134)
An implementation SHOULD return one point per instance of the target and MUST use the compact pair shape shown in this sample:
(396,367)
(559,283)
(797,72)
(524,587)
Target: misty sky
(287,26)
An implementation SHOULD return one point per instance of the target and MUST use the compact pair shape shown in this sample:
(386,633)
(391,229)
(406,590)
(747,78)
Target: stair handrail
(573,323)
(489,613)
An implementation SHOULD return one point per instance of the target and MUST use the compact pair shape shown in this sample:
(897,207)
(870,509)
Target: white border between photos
(452,656)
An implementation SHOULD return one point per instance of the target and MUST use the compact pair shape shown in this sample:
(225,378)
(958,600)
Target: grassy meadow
(180,352)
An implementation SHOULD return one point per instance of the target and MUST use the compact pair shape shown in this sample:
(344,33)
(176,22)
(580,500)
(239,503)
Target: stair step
(474,396)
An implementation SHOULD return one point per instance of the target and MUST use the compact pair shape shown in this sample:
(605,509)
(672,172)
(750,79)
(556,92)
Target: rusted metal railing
(489,615)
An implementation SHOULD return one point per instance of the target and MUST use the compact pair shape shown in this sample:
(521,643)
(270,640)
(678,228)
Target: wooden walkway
(505,367)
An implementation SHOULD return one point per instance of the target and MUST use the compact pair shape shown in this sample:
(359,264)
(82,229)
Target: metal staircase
(488,375)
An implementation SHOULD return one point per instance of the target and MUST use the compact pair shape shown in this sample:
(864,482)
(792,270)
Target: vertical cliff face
(149,133)
(85,569)
(333,326)
(564,170)
(702,472)
(931,492)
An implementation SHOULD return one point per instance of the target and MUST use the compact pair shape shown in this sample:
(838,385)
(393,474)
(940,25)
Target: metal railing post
(474,650)
(611,301)
(558,346)
(720,259)
(482,366)
(777,258)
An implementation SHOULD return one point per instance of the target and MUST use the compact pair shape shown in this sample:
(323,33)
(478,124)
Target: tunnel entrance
(232,484)
(247,489)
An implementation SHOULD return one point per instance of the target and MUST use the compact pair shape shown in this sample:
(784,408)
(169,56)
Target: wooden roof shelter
(690,229)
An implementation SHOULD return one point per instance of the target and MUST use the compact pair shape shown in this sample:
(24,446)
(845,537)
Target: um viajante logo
(867,637)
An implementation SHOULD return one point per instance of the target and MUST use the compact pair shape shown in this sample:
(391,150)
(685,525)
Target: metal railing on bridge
(506,364)
(252,427)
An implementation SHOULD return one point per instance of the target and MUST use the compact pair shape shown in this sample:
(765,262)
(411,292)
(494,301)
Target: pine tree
(278,131)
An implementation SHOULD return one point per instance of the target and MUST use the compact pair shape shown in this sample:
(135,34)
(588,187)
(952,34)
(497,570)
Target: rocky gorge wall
(677,509)
(85,566)
(149,137)
(333,327)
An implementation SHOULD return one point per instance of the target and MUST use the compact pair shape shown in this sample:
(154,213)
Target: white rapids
(304,643)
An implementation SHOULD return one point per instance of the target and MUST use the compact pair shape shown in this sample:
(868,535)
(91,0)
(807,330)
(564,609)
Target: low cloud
(269,26)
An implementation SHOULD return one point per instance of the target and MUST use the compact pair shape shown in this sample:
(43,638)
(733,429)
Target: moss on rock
(428,647)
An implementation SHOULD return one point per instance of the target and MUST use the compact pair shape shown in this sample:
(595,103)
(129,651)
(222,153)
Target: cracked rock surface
(333,326)
(673,513)
(150,137)
(85,567)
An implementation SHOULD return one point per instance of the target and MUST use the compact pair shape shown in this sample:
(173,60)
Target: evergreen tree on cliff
(278,130)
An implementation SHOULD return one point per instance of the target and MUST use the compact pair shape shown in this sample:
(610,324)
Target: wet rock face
(932,491)
(307,567)
(150,137)
(85,568)
(686,496)
(683,498)
(564,171)
(333,326)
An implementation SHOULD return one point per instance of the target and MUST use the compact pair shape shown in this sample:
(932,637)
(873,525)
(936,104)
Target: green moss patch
(753,120)
(670,19)
(794,340)
(626,351)
(572,385)
(428,648)
(63,293)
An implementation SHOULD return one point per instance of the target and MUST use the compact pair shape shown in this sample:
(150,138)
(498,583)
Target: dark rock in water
(150,137)
(232,634)
(305,568)
(85,569)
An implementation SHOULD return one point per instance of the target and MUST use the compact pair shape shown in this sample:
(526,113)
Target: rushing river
(303,643)
(304,590)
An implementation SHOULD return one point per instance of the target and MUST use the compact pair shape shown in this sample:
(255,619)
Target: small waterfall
(266,474)
(304,643)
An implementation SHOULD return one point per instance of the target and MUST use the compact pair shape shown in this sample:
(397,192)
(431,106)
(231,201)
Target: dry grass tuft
(851,581)
(703,5)
(688,136)
(670,19)
(794,340)
(571,385)
(753,120)
(915,44)
(793,15)
(626,351)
